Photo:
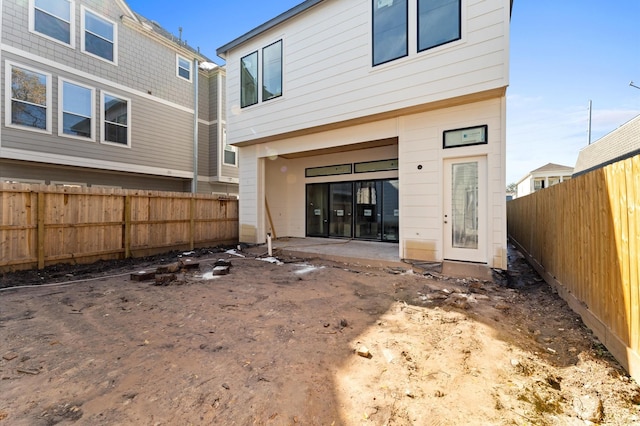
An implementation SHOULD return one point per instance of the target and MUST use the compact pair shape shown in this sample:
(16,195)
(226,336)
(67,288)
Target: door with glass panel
(368,215)
(318,210)
(465,209)
(340,209)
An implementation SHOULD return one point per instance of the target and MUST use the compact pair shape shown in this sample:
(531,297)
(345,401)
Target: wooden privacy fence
(583,236)
(43,225)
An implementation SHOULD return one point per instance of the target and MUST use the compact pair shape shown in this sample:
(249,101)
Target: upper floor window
(438,22)
(115,119)
(53,19)
(99,36)
(268,75)
(249,80)
(183,68)
(272,71)
(76,110)
(28,103)
(390,19)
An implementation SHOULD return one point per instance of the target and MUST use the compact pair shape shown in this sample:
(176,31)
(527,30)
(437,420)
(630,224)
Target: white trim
(232,148)
(114,85)
(8,99)
(188,61)
(67,160)
(68,183)
(72,25)
(61,133)
(102,120)
(83,30)
(20,180)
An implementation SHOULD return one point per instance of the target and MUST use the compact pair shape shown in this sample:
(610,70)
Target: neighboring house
(624,142)
(93,94)
(380,120)
(543,177)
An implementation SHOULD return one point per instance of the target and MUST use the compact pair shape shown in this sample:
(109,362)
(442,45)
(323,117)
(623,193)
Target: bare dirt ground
(276,344)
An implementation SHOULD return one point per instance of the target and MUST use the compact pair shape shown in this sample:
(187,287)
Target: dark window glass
(249,80)
(52,18)
(272,71)
(389,30)
(28,98)
(184,68)
(115,120)
(98,37)
(76,106)
(438,22)
(229,157)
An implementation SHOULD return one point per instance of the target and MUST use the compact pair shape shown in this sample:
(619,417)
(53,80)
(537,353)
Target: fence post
(40,219)
(192,222)
(126,231)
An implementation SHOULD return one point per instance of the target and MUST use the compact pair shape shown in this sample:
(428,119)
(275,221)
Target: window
(538,184)
(183,68)
(229,157)
(390,18)
(272,71)
(99,36)
(268,75)
(249,80)
(76,110)
(438,22)
(29,96)
(53,19)
(115,119)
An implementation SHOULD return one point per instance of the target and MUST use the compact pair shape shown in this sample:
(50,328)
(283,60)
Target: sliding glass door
(365,210)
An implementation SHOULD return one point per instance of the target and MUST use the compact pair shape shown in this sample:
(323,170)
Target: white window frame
(102,120)
(178,67)
(72,24)
(8,99)
(83,32)
(61,111)
(229,148)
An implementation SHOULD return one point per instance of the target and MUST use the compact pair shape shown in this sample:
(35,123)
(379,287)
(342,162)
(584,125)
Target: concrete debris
(363,351)
(588,408)
(221,270)
(143,276)
(168,268)
(165,279)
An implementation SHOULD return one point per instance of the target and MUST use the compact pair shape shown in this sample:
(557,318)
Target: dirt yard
(277,344)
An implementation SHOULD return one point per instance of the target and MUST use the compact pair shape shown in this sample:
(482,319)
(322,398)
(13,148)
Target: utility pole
(589,127)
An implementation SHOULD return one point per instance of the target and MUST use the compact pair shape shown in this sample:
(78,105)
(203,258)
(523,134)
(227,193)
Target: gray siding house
(94,94)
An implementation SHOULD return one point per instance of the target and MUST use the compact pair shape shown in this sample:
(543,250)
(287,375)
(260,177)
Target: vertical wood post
(126,230)
(41,230)
(192,223)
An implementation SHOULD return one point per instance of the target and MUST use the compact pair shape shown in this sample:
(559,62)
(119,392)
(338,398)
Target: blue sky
(563,54)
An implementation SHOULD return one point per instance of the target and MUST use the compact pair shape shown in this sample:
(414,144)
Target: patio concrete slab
(371,253)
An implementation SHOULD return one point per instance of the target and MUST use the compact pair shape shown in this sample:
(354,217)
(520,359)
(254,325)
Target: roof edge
(294,11)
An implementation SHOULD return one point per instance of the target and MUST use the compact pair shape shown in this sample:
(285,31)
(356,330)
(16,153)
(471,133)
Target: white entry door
(465,209)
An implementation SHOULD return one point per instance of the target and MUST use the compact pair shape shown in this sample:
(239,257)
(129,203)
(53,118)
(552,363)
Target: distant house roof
(294,11)
(624,142)
(552,167)
(549,168)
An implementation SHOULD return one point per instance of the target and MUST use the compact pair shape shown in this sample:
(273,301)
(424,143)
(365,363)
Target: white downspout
(194,181)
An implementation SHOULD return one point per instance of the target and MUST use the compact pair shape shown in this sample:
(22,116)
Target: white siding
(328,75)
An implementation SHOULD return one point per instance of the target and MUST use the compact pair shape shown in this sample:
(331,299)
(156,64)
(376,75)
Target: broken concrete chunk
(10,356)
(220,270)
(189,263)
(165,279)
(142,276)
(168,268)
(363,351)
(222,262)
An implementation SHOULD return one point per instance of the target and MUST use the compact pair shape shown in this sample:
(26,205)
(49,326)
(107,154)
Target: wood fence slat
(585,236)
(41,225)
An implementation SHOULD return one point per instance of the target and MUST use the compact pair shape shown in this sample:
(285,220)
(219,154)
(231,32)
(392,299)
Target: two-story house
(543,177)
(94,94)
(380,120)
